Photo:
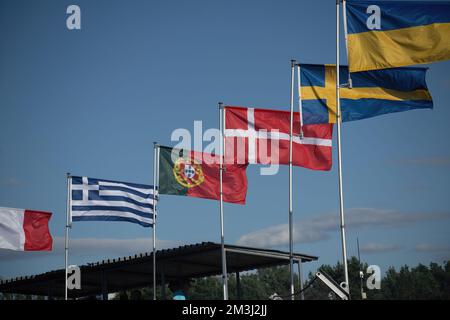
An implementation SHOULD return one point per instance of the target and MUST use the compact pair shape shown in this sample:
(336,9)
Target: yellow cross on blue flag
(373,93)
(386,34)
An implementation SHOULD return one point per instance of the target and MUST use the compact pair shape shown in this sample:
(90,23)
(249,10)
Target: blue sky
(93,101)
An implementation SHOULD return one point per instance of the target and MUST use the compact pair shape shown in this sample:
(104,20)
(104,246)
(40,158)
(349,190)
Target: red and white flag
(25,230)
(262,136)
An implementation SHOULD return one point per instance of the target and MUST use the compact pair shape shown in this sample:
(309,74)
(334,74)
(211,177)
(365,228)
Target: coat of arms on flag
(188,172)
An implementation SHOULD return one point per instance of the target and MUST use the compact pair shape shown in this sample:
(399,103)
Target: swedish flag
(373,93)
(386,34)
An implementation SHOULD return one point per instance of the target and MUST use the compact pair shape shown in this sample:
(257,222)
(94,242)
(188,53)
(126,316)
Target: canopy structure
(189,261)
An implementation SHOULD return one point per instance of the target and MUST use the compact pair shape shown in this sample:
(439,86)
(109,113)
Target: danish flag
(262,136)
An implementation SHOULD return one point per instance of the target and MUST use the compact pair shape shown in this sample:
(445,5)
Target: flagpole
(338,121)
(221,168)
(291,239)
(68,225)
(155,181)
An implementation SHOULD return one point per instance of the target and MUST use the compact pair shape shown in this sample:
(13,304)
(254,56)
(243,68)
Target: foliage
(420,282)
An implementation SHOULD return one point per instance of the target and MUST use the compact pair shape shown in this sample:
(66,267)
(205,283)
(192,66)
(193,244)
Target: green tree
(206,288)
(420,282)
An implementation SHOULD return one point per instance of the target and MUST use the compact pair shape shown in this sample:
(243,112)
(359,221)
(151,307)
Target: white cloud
(279,235)
(426,247)
(319,228)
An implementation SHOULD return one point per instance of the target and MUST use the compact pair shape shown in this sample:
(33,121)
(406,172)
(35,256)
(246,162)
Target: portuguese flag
(196,174)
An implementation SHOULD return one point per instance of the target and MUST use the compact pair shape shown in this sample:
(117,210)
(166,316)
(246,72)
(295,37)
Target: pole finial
(293,62)
(220,105)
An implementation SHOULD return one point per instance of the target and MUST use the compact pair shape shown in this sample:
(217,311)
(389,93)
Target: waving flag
(373,93)
(25,230)
(196,174)
(105,200)
(386,34)
(262,136)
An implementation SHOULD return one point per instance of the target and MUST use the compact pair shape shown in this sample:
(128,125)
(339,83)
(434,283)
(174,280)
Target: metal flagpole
(291,229)
(300,279)
(361,274)
(338,121)
(155,198)
(300,110)
(68,225)
(222,239)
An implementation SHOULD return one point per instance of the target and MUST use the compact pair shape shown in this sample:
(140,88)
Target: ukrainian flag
(373,93)
(386,34)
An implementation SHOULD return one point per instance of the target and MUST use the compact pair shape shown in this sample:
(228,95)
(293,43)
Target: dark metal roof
(193,261)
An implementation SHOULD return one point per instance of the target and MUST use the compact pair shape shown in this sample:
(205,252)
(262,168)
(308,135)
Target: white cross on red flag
(261,136)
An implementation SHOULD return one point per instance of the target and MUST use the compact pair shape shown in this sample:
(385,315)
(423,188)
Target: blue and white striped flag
(104,200)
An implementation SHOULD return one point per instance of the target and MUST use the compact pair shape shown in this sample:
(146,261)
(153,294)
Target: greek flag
(104,200)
